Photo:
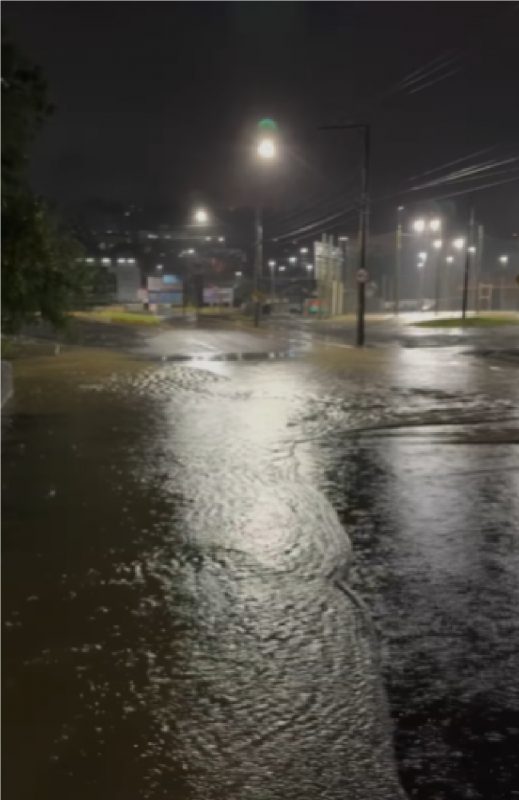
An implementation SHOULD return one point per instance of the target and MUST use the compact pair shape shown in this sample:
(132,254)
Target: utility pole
(468,255)
(258,261)
(364,216)
(398,259)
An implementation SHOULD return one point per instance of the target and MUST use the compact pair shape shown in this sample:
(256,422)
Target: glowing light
(303,250)
(272,263)
(266,148)
(503,259)
(435,224)
(121,261)
(459,243)
(130,261)
(238,274)
(437,244)
(449,259)
(309,267)
(282,268)
(106,261)
(201,216)
(89,260)
(160,267)
(422,256)
(292,260)
(419,225)
(221,238)
(344,238)
(471,249)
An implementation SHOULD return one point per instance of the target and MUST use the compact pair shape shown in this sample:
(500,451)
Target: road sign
(362,276)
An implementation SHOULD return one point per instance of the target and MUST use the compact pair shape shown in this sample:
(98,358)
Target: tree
(42,274)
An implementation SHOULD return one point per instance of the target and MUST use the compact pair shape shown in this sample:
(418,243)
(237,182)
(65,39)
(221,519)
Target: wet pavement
(209,565)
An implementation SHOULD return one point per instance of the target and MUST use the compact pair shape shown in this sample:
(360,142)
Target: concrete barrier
(7,382)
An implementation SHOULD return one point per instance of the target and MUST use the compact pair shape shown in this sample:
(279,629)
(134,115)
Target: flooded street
(214,570)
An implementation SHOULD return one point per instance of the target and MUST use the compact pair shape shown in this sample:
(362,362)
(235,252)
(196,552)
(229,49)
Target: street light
(418,225)
(201,216)
(459,243)
(266,148)
(503,260)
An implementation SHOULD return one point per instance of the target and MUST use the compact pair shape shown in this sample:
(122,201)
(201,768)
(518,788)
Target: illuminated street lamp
(266,148)
(201,216)
(503,260)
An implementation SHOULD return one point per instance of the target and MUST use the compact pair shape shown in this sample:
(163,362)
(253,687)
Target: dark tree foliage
(42,275)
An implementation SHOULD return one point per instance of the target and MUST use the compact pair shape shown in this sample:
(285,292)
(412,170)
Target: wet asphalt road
(180,545)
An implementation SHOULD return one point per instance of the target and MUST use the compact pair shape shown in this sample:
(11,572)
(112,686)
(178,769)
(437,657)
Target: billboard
(218,296)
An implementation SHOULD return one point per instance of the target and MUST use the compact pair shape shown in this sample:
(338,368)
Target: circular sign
(362,276)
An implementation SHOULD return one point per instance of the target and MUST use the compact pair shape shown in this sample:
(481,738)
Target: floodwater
(212,569)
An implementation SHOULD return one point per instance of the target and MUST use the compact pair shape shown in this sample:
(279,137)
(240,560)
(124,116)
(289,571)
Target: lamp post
(398,258)
(437,245)
(266,151)
(272,267)
(364,215)
(468,255)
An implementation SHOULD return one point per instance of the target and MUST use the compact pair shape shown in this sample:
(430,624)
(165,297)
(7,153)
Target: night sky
(157,102)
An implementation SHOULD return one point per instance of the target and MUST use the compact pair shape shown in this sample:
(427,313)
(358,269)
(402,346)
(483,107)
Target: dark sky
(157,102)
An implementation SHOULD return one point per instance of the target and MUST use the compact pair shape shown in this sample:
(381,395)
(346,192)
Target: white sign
(362,276)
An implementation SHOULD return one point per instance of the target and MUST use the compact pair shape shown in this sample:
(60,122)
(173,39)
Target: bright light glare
(190,252)
(238,274)
(91,260)
(221,238)
(266,148)
(309,267)
(435,224)
(419,225)
(106,261)
(303,250)
(437,244)
(272,263)
(449,259)
(160,267)
(471,249)
(121,261)
(423,256)
(201,216)
(459,243)
(503,259)
(343,238)
(130,261)
(292,259)
(282,268)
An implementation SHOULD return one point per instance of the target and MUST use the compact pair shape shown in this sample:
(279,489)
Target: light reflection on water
(188,565)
